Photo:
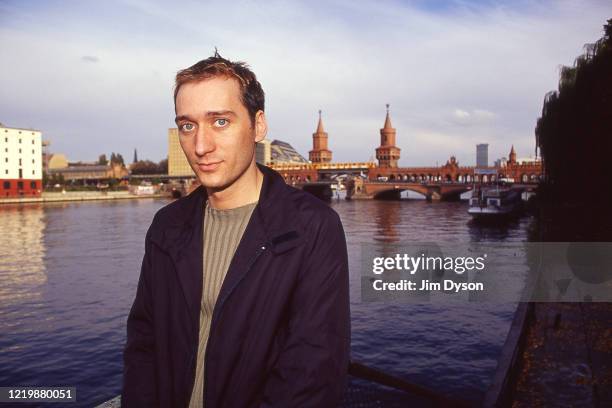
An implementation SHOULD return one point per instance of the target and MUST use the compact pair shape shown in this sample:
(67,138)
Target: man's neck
(243,191)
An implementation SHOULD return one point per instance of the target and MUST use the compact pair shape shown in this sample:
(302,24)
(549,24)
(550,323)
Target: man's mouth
(209,166)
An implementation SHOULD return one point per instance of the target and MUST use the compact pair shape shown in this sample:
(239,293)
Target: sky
(97,77)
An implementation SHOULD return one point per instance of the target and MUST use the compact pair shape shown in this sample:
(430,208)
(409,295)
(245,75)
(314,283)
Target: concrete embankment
(567,360)
(50,197)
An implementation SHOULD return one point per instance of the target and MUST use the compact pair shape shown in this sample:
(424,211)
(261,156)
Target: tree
(163,166)
(574,137)
(116,158)
(102,160)
(144,167)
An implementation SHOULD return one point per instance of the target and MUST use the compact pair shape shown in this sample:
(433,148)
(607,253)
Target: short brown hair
(251,93)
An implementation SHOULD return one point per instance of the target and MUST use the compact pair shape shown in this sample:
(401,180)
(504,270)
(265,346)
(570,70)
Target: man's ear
(261,126)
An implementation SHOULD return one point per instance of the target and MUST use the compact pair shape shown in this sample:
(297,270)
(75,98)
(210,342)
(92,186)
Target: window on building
(6,159)
(6,139)
(32,151)
(19,151)
(7,185)
(6,171)
(20,185)
(32,184)
(20,173)
(19,139)
(6,149)
(32,161)
(32,172)
(20,132)
(20,160)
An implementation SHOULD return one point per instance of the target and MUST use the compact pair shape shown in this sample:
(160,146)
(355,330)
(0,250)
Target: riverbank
(53,197)
(567,355)
(568,358)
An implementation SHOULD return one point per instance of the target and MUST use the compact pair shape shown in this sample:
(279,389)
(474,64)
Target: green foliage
(163,166)
(574,134)
(53,179)
(149,167)
(144,167)
(116,158)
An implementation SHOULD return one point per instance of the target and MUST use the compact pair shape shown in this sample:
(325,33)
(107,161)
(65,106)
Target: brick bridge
(359,189)
(366,180)
(385,179)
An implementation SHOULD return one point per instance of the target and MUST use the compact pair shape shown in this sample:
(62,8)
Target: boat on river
(495,202)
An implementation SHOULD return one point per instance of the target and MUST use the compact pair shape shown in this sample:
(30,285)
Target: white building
(20,162)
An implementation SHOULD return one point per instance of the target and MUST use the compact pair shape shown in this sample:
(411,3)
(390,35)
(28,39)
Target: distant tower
(482,155)
(512,157)
(387,153)
(320,153)
(135,156)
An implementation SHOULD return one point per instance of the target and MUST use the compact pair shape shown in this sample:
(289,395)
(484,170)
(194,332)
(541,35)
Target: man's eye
(221,122)
(187,127)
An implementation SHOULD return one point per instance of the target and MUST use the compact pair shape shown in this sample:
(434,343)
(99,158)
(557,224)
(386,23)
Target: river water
(68,275)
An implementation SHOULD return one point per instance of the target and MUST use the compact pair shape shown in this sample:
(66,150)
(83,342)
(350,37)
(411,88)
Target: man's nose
(205,141)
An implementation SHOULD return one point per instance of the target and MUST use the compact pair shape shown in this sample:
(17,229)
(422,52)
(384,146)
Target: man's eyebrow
(208,114)
(181,118)
(220,113)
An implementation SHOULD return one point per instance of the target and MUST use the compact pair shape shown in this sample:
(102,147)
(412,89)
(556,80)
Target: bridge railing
(323,166)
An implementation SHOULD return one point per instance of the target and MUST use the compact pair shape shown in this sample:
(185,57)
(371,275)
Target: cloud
(473,117)
(461,114)
(90,58)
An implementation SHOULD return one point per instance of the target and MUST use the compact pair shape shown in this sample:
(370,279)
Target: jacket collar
(274,225)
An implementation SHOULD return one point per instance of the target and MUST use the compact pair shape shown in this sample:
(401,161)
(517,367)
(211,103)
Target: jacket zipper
(261,249)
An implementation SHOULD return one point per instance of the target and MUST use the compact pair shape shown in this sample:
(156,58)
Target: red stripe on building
(15,188)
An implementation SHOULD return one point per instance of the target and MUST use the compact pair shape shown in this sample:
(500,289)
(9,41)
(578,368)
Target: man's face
(215,130)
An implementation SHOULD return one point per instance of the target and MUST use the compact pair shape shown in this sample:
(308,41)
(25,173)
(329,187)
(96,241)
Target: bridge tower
(387,153)
(512,156)
(320,153)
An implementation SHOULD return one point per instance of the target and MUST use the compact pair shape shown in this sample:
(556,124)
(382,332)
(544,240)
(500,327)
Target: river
(68,275)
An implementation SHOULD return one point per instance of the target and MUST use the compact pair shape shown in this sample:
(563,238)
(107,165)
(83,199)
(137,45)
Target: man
(242,299)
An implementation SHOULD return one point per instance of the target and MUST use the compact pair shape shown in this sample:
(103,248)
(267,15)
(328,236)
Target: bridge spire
(387,153)
(388,120)
(512,155)
(320,153)
(320,125)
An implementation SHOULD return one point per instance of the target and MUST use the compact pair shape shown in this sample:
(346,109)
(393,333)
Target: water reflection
(387,217)
(22,252)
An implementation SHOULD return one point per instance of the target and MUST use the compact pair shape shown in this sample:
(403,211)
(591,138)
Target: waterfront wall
(48,197)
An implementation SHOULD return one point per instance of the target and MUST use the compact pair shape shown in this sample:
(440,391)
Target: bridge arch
(388,194)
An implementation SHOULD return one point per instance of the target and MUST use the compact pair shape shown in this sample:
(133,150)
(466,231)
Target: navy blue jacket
(280,331)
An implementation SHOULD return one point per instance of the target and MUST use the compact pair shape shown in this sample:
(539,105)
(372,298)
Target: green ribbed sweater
(223,230)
